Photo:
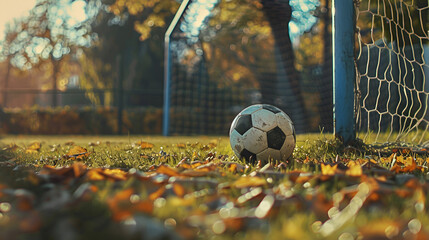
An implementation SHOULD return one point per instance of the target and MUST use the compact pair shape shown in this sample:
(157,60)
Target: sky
(10,9)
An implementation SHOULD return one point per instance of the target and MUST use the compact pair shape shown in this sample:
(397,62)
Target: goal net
(392,69)
(227,55)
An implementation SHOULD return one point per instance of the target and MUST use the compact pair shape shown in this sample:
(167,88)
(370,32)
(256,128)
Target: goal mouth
(392,72)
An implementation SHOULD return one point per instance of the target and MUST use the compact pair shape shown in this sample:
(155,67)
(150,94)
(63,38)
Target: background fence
(30,111)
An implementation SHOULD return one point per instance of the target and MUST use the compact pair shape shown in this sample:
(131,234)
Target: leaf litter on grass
(194,192)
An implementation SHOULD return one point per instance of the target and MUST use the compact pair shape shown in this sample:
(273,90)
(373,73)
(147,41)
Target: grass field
(149,187)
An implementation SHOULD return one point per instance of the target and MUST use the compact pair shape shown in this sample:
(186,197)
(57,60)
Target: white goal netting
(392,68)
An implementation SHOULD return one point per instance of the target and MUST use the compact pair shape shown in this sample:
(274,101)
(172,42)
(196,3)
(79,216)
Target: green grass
(195,188)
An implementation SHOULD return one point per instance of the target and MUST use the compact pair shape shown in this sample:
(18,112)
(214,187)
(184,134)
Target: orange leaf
(234,224)
(328,169)
(95,175)
(144,206)
(410,165)
(146,145)
(120,204)
(232,168)
(115,174)
(181,145)
(77,152)
(33,148)
(167,171)
(78,169)
(178,189)
(158,193)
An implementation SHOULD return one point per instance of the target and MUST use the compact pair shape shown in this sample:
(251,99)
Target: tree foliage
(46,38)
(127,48)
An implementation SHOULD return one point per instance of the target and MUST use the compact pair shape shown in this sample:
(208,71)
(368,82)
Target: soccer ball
(262,132)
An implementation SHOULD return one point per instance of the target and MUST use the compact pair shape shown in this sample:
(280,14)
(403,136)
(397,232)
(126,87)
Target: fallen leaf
(244,182)
(178,189)
(158,193)
(115,174)
(120,204)
(181,145)
(164,169)
(78,169)
(355,170)
(95,175)
(145,145)
(328,169)
(145,206)
(33,148)
(77,153)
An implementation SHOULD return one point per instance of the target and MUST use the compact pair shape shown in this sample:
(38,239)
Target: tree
(48,36)
(279,14)
(127,39)
(8,52)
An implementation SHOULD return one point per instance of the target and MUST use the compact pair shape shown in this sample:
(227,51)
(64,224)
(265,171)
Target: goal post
(343,25)
(167,67)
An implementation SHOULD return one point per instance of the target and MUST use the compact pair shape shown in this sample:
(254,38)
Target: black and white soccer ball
(262,132)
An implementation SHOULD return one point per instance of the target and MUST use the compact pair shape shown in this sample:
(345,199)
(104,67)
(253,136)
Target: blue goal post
(167,67)
(343,25)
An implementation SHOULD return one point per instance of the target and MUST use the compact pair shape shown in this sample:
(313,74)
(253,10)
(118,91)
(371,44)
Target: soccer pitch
(153,187)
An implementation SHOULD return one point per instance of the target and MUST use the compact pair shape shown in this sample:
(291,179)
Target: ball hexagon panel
(251,109)
(288,146)
(236,141)
(269,154)
(276,138)
(271,108)
(285,123)
(249,156)
(264,120)
(255,140)
(243,124)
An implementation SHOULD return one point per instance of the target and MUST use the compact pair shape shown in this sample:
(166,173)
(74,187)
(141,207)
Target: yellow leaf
(354,170)
(34,147)
(328,169)
(244,182)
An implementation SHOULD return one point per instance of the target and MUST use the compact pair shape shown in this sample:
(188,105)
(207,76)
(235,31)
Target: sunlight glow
(77,12)
(10,10)
(13,9)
